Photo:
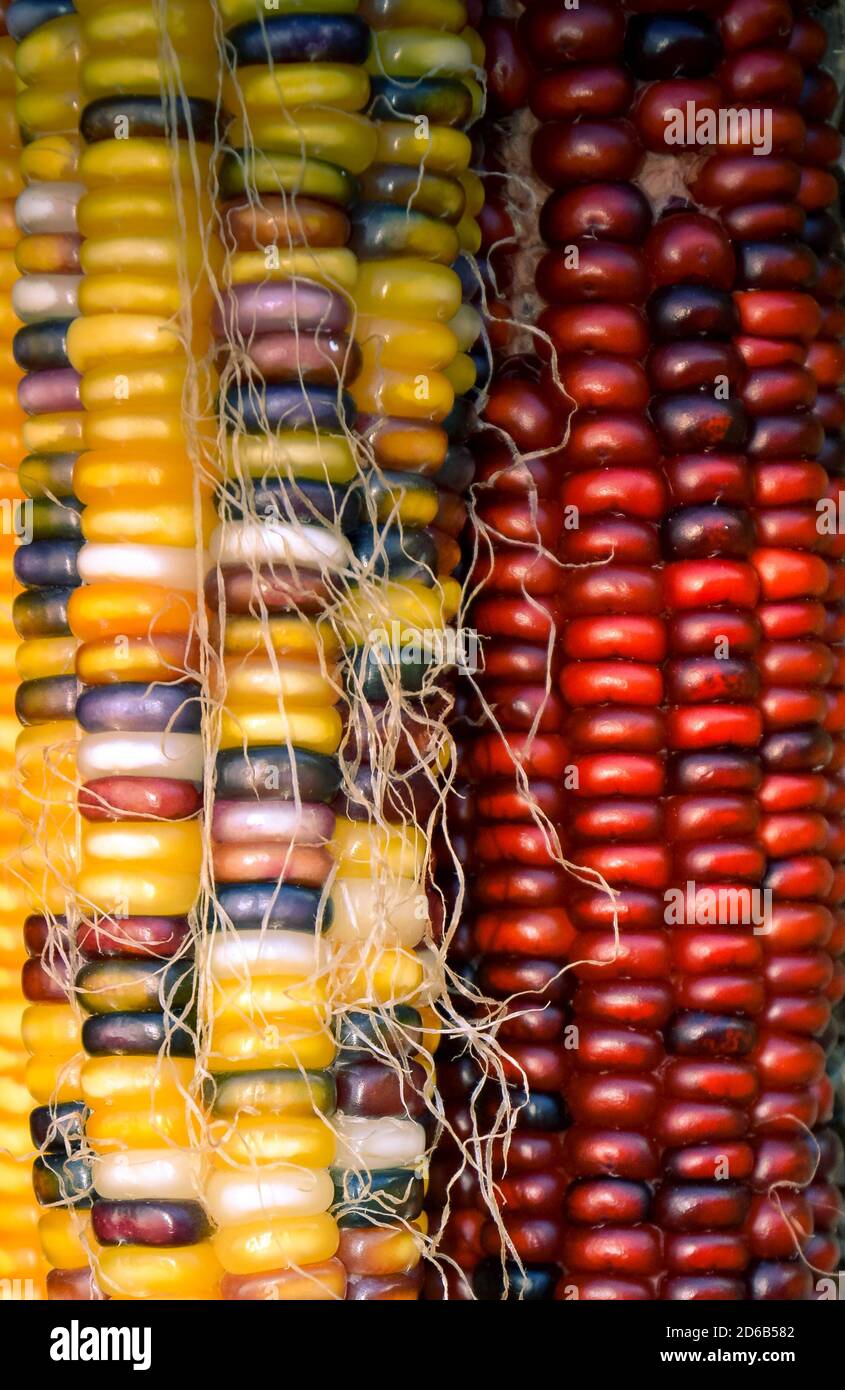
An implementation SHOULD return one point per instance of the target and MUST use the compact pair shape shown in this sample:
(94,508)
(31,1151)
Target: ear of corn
(45,299)
(287,504)
(138,345)
(693,690)
(413,221)
(22,1268)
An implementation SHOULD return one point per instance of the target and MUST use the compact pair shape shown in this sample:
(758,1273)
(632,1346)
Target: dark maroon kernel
(672,45)
(687,311)
(157,1223)
(710,1035)
(711,680)
(697,532)
(714,772)
(784,264)
(688,423)
(700,1206)
(686,366)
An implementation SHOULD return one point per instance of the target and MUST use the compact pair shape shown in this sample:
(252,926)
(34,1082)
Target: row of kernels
(48,62)
(287,506)
(410,223)
(22,1263)
(140,758)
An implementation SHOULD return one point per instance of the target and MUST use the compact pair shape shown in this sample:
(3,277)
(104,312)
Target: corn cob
(515,770)
(148,81)
(764,210)
(693,662)
(525,941)
(413,220)
(295,92)
(712,690)
(518,768)
(47,62)
(824,361)
(516,515)
(21,1266)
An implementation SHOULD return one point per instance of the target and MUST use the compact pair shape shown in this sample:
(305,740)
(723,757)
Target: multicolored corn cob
(412,222)
(47,61)
(21,1266)
(295,90)
(148,84)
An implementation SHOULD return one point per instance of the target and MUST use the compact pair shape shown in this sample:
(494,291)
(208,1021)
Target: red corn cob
(700,687)
(823,966)
(521,932)
(765,214)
